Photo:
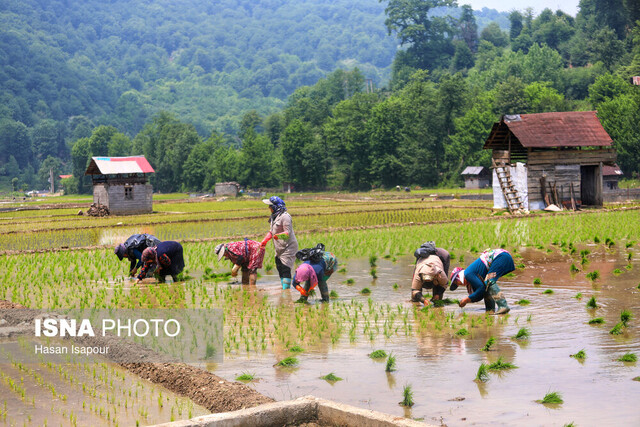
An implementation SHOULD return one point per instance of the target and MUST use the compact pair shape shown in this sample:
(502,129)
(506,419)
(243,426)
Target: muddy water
(441,367)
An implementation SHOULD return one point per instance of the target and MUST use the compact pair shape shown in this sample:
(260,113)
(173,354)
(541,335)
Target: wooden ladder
(514,202)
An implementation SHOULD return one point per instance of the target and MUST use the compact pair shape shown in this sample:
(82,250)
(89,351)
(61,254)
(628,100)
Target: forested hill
(118,62)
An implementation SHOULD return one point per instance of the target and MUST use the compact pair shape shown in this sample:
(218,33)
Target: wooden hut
(121,184)
(611,175)
(476,177)
(549,158)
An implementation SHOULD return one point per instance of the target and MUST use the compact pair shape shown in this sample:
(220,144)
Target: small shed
(122,184)
(227,188)
(476,177)
(611,175)
(549,158)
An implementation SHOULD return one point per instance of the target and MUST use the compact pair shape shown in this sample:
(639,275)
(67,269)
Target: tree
(257,161)
(542,98)
(468,28)
(429,37)
(386,132)
(516,27)
(606,47)
(304,157)
(606,88)
(14,184)
(620,116)
(16,141)
(195,167)
(251,122)
(463,57)
(510,97)
(45,139)
(494,35)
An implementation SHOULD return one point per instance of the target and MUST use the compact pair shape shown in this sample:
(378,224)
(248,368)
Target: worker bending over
(431,272)
(246,254)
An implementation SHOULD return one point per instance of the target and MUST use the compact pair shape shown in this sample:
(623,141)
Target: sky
(567,6)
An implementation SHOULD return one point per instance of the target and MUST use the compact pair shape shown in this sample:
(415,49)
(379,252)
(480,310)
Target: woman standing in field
(284,240)
(166,258)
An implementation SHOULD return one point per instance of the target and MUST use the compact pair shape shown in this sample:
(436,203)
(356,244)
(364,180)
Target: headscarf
(149,255)
(278,207)
(120,251)
(454,276)
(306,272)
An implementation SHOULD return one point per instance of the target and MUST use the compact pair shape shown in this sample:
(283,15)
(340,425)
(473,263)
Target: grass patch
(628,357)
(592,303)
(246,377)
(331,377)
(500,365)
(522,334)
(483,373)
(581,355)
(552,398)
(407,396)
(365,291)
(596,321)
(490,342)
(548,291)
(288,362)
(391,363)
(378,354)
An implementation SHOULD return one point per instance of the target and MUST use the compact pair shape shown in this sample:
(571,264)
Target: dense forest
(317,94)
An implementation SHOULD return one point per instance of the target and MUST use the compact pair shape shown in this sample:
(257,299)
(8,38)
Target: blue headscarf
(278,206)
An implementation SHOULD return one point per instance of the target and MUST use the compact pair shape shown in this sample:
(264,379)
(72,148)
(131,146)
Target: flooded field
(441,367)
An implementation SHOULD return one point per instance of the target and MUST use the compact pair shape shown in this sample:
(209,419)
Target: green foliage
(490,342)
(378,354)
(596,321)
(553,397)
(407,396)
(523,334)
(331,377)
(628,357)
(483,373)
(592,302)
(288,362)
(246,377)
(501,365)
(580,355)
(391,363)
(296,349)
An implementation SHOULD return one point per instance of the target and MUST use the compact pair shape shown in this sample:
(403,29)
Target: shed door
(589,185)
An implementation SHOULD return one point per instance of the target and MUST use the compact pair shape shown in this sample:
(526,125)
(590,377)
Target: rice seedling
(490,342)
(373,261)
(617,272)
(596,321)
(395,286)
(373,272)
(391,363)
(288,362)
(581,355)
(246,377)
(596,239)
(331,377)
(350,281)
(523,334)
(333,294)
(578,295)
(407,396)
(636,379)
(617,329)
(365,291)
(523,302)
(628,357)
(462,332)
(537,281)
(593,275)
(378,354)
(483,373)
(551,398)
(625,316)
(573,268)
(548,291)
(296,349)
(592,303)
(500,365)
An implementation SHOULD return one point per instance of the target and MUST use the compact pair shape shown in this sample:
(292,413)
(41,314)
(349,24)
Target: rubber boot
(501,302)
(489,303)
(286,282)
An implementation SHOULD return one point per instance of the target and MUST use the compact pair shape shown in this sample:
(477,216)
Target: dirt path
(201,386)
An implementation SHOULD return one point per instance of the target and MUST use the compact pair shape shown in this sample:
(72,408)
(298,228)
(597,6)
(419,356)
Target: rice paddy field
(566,353)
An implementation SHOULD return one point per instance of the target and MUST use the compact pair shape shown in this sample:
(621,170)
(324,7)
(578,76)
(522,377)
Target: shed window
(128,193)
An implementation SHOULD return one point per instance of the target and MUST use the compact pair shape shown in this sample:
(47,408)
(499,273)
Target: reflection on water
(441,367)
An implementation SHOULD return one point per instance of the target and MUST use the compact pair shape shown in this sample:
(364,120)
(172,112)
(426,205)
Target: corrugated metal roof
(472,170)
(118,165)
(611,170)
(560,129)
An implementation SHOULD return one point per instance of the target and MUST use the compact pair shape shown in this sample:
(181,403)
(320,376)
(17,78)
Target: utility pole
(51,180)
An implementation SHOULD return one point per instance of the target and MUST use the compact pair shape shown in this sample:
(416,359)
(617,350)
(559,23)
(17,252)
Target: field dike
(201,386)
